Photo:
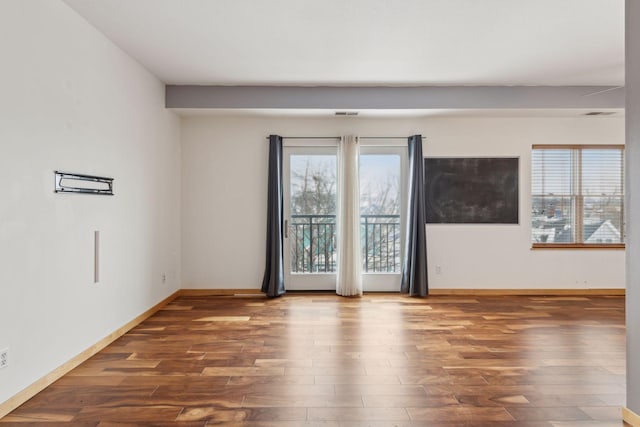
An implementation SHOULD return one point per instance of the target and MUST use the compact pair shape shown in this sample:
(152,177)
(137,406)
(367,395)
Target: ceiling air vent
(346,113)
(599,113)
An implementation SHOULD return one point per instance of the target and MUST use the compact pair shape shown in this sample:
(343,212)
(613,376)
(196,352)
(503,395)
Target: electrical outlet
(4,358)
(164,277)
(438,269)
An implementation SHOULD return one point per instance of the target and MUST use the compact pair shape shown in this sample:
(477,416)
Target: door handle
(286,228)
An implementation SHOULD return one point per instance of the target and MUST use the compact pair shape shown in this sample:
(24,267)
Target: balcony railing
(313,243)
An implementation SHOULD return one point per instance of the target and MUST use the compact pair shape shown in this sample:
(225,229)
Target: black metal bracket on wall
(84,184)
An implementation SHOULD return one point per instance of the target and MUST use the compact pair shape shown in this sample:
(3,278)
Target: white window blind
(577,196)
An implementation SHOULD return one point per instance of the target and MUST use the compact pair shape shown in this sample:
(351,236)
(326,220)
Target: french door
(310,200)
(310,181)
(382,207)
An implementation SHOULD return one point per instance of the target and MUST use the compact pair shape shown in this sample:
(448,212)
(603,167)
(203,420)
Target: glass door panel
(381,208)
(310,213)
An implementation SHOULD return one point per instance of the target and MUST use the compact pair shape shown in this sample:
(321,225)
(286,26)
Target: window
(577,196)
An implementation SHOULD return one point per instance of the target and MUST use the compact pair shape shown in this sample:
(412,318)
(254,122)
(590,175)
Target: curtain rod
(385,137)
(338,137)
(309,137)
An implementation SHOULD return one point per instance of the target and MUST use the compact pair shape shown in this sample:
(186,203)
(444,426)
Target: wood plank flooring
(380,360)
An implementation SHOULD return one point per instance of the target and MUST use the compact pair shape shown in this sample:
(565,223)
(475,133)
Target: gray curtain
(273,281)
(414,267)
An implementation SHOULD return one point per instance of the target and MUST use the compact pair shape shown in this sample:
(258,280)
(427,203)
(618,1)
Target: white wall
(72,101)
(224,162)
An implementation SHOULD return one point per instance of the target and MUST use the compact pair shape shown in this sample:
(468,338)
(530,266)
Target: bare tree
(313,189)
(313,209)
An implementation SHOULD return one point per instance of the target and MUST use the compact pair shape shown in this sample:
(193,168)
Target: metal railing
(380,236)
(313,243)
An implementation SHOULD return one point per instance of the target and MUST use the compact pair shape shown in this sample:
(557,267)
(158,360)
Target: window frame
(578,198)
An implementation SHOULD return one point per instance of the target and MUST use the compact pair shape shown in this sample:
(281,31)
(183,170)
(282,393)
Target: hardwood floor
(380,360)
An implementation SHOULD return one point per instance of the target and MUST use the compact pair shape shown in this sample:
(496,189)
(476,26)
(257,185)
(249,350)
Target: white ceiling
(368,42)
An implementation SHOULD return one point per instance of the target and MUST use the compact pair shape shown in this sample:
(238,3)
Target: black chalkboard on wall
(476,190)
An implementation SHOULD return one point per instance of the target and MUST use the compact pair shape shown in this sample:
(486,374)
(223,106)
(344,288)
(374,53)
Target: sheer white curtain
(349,268)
